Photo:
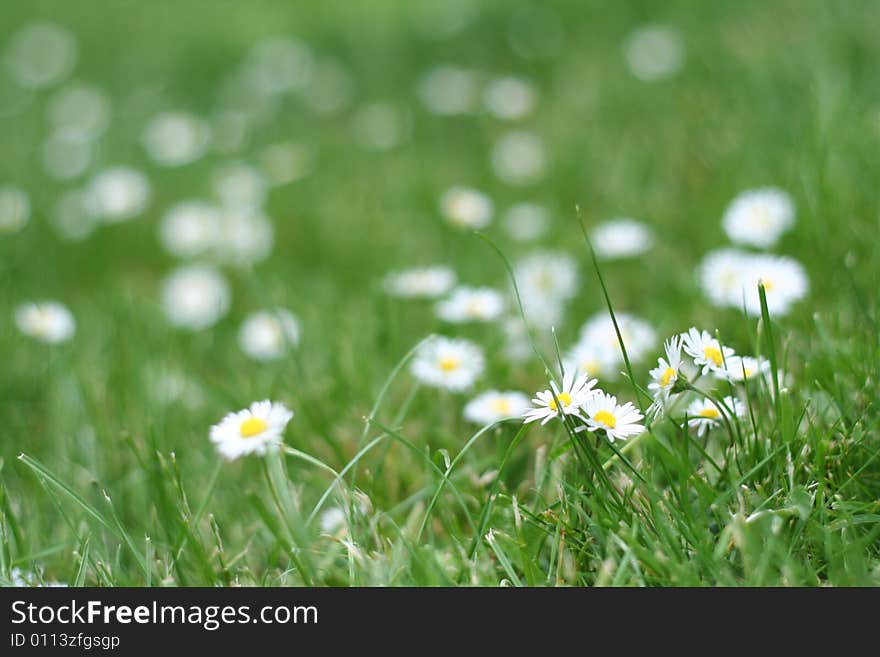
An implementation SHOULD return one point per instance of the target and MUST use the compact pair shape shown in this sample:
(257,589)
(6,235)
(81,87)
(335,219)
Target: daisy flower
(785,282)
(524,222)
(666,375)
(619,422)
(239,185)
(466,208)
(594,359)
(253,430)
(519,158)
(453,364)
(15,209)
(742,368)
(510,98)
(706,351)
(189,228)
(494,406)
(175,138)
(471,304)
(427,282)
(546,280)
(654,52)
(572,396)
(704,416)
(758,217)
(195,297)
(638,336)
(268,334)
(48,321)
(622,238)
(245,235)
(722,276)
(449,90)
(117,194)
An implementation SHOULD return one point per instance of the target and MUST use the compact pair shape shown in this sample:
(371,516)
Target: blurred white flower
(595,359)
(453,364)
(286,162)
(71,218)
(117,194)
(269,334)
(332,520)
(189,228)
(519,158)
(545,280)
(41,54)
(64,157)
(425,282)
(759,217)
(722,276)
(380,126)
(639,337)
(466,208)
(238,184)
(617,421)
(524,222)
(510,98)
(79,111)
(471,304)
(622,238)
(331,88)
(517,347)
(255,430)
(175,138)
(49,321)
(494,406)
(15,209)
(280,64)
(195,297)
(785,282)
(245,236)
(447,90)
(654,52)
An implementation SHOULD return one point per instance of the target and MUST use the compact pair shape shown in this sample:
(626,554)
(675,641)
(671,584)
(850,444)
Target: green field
(342,138)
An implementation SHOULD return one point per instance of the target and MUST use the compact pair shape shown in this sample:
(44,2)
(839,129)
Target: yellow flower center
(710,413)
(449,364)
(747,372)
(590,366)
(714,355)
(251,427)
(667,376)
(767,283)
(501,406)
(563,397)
(606,418)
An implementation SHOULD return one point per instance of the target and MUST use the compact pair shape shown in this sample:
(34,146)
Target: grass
(118,486)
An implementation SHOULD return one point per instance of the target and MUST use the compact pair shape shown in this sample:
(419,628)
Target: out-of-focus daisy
(332,520)
(15,209)
(466,208)
(622,238)
(510,98)
(195,297)
(331,88)
(70,217)
(189,228)
(280,64)
(654,52)
(667,373)
(704,415)
(79,112)
(722,274)
(41,54)
(785,282)
(494,406)
(526,221)
(516,339)
(48,321)
(175,138)
(471,304)
(237,184)
(425,282)
(519,159)
(245,235)
(601,412)
(268,334)
(639,336)
(706,351)
(758,217)
(254,430)
(380,126)
(574,393)
(594,359)
(65,158)
(453,364)
(286,163)
(545,280)
(747,368)
(447,90)
(117,194)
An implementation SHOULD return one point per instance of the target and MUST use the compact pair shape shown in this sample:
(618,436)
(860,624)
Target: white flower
(594,359)
(638,335)
(743,368)
(654,52)
(79,112)
(41,54)
(466,208)
(65,158)
(380,126)
(427,282)
(471,304)
(622,238)
(189,228)
(48,321)
(332,520)
(526,221)
(519,158)
(267,335)
(195,297)
(448,363)
(706,351)
(245,235)
(759,217)
(254,430)
(722,276)
(573,394)
(704,415)
(237,185)
(665,376)
(448,90)
(619,422)
(545,280)
(785,282)
(117,194)
(280,65)
(494,406)
(175,138)
(331,88)
(15,209)
(510,98)
(71,218)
